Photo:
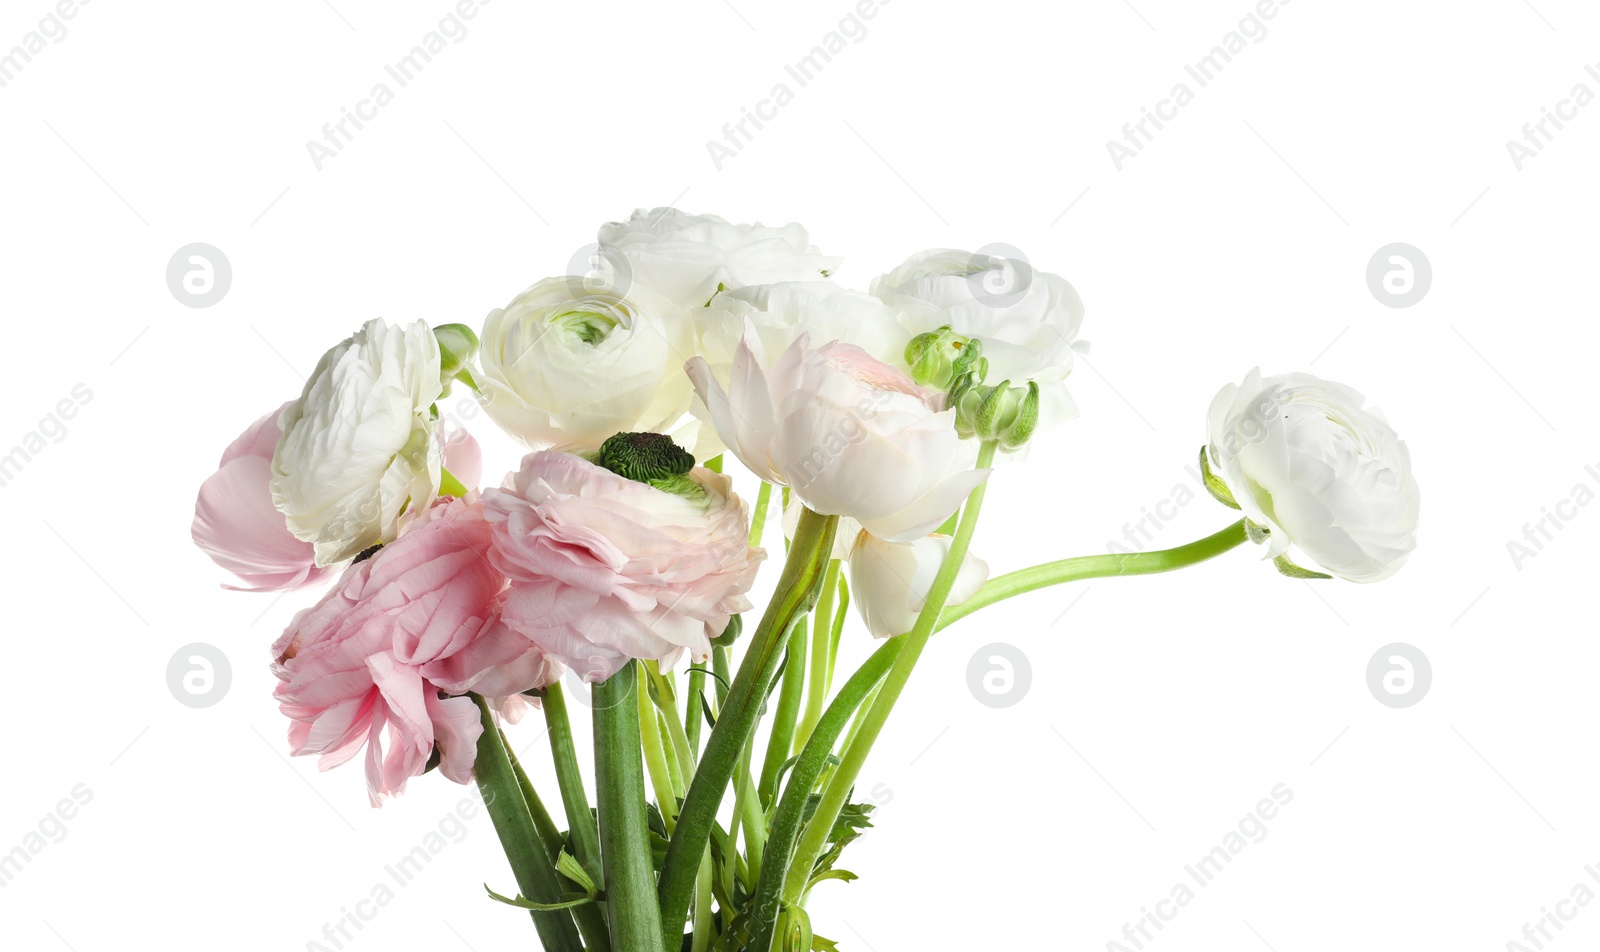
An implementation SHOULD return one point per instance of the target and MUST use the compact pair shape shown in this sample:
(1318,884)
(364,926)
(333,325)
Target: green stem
(821,656)
(591,917)
(549,834)
(796,592)
(655,759)
(758,518)
(624,830)
(666,701)
(802,779)
(564,751)
(816,834)
(508,810)
(691,709)
(702,906)
(790,695)
(1096,566)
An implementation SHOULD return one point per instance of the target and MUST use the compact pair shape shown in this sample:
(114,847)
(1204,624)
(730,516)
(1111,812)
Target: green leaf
(522,903)
(1214,485)
(568,866)
(843,875)
(1294,571)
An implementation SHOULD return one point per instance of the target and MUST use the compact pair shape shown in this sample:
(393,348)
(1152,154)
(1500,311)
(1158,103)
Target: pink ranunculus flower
(237,525)
(850,435)
(382,660)
(605,569)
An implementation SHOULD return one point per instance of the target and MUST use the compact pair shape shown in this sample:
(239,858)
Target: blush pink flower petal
(236,524)
(383,659)
(604,569)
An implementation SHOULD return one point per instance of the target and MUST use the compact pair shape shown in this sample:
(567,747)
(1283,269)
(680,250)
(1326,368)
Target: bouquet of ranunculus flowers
(620,550)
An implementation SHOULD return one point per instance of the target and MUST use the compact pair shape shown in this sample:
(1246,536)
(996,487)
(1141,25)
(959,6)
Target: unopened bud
(457,346)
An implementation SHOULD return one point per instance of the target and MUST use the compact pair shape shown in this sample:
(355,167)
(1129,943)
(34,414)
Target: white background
(1160,710)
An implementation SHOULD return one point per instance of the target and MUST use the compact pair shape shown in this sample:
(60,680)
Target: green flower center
(645,457)
(590,327)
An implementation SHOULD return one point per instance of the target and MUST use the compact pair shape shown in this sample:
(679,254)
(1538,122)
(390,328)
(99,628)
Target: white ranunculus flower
(1028,320)
(848,434)
(889,582)
(686,257)
(565,364)
(1304,458)
(358,452)
(782,312)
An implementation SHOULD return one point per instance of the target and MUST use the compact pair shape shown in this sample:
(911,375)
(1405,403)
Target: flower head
(1303,458)
(850,435)
(562,367)
(688,258)
(605,569)
(358,453)
(381,661)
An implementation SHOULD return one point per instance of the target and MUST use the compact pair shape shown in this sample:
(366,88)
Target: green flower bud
(1003,413)
(1026,421)
(457,346)
(933,357)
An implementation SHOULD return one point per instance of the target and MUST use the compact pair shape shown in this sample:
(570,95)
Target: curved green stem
(816,834)
(508,810)
(802,779)
(795,594)
(624,831)
(1015,583)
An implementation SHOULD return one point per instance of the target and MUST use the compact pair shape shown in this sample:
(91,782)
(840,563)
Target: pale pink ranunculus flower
(605,569)
(367,665)
(847,433)
(236,524)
